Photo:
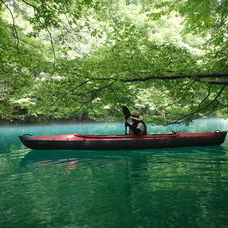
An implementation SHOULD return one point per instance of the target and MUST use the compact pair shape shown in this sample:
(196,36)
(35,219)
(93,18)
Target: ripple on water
(178,187)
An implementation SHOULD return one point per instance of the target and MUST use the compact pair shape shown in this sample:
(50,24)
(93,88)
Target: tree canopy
(85,59)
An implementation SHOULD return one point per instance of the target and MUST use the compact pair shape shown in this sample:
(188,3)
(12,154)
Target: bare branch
(29,4)
(48,31)
(70,91)
(197,77)
(201,108)
(218,82)
(14,24)
(174,77)
(95,93)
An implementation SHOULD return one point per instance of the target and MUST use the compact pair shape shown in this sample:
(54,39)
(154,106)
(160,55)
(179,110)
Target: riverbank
(83,119)
(45,121)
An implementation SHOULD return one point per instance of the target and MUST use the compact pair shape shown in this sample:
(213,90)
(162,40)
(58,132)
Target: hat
(135,116)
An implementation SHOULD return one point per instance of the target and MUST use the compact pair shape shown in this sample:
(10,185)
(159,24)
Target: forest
(85,59)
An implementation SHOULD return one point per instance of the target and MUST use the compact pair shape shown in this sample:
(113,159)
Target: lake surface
(179,187)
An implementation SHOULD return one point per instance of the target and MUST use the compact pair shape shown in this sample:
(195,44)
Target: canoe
(121,142)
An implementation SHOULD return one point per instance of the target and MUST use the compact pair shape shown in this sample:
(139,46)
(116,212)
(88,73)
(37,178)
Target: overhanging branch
(201,107)
(197,77)
(14,28)
(183,76)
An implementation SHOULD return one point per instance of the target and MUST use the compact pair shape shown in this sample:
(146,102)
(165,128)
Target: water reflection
(152,189)
(178,187)
(45,157)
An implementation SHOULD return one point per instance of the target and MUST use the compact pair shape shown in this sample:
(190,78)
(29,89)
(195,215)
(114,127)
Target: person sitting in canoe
(138,126)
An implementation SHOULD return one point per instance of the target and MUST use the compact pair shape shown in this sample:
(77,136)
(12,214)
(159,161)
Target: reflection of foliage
(85,59)
(70,189)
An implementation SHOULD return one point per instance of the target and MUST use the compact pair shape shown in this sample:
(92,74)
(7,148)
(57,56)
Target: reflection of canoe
(118,142)
(81,158)
(37,158)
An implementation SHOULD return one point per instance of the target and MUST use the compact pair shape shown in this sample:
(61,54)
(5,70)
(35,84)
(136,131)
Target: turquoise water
(180,187)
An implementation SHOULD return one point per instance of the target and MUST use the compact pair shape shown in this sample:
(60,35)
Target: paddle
(127,114)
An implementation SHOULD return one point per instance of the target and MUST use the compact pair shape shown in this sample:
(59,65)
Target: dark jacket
(138,128)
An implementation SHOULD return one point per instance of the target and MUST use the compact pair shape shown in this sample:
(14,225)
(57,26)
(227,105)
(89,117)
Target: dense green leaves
(86,58)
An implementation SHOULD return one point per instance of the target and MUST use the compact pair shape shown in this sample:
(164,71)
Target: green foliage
(86,58)
(19,65)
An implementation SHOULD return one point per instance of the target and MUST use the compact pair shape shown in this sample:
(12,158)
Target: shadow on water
(37,158)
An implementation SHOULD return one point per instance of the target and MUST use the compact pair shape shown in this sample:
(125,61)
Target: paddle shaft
(125,126)
(127,114)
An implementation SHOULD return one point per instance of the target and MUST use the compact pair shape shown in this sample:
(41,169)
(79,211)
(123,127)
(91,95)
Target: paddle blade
(126,112)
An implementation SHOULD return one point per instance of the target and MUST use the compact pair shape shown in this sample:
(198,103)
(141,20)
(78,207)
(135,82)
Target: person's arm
(140,129)
(133,128)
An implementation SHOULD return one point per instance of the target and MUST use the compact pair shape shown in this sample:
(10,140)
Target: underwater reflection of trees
(150,188)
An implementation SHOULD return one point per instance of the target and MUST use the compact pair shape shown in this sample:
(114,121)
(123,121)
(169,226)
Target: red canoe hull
(121,142)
